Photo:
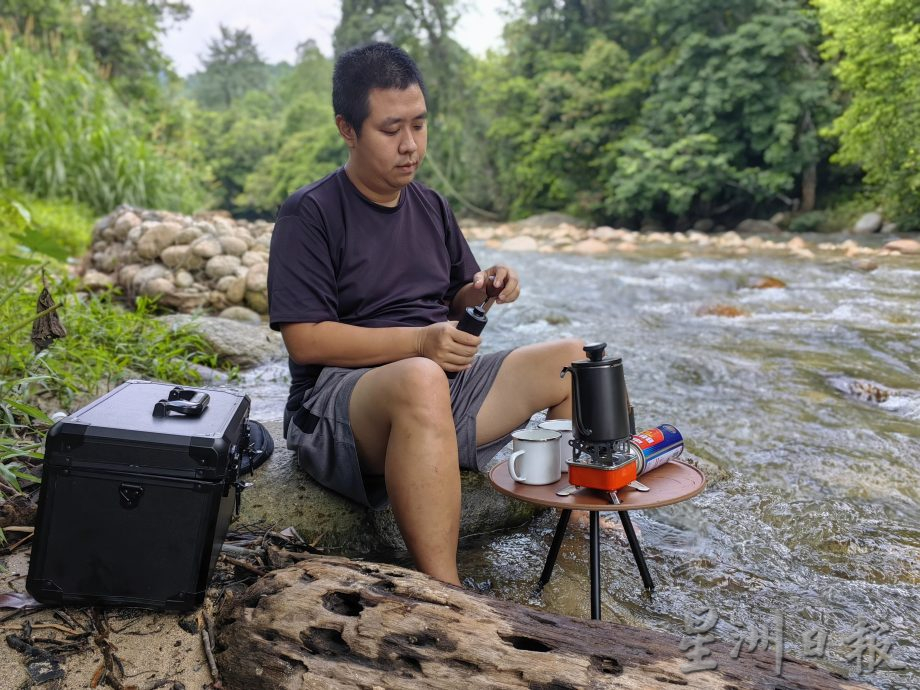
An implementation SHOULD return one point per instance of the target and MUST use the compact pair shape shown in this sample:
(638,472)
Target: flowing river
(804,412)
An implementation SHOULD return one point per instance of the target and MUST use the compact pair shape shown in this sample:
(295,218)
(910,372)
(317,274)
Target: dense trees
(875,46)
(614,110)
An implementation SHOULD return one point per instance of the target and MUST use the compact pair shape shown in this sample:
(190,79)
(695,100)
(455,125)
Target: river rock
(221,265)
(156,238)
(96,280)
(181,256)
(725,310)
(233,245)
(522,243)
(590,246)
(157,286)
(905,246)
(282,494)
(243,314)
(239,343)
(206,246)
(147,273)
(257,278)
(185,299)
(868,223)
(124,223)
(188,234)
(250,258)
(257,300)
(234,287)
(765,283)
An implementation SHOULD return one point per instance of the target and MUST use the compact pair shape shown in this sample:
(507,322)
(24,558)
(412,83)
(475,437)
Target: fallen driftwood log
(334,623)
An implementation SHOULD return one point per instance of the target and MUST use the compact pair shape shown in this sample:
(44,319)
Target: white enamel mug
(564,427)
(535,456)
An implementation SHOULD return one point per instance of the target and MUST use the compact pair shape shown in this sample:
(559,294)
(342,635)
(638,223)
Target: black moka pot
(602,423)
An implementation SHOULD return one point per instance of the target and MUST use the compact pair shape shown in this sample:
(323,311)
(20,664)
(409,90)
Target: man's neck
(383,199)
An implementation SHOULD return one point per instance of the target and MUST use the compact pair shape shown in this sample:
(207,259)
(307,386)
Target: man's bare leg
(528,381)
(403,427)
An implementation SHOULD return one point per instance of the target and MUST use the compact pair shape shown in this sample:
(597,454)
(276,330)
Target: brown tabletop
(673,482)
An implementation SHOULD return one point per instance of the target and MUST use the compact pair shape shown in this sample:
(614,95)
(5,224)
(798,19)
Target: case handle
(186,401)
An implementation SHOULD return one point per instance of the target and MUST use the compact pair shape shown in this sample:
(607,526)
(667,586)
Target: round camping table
(673,482)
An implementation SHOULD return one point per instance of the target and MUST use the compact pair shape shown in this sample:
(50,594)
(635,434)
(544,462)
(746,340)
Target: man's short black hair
(373,66)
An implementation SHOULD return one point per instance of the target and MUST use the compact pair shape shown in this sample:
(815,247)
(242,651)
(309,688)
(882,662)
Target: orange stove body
(603,477)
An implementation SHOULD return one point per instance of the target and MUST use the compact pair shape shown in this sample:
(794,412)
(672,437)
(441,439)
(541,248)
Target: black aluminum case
(134,508)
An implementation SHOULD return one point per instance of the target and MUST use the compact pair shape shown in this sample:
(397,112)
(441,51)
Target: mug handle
(514,475)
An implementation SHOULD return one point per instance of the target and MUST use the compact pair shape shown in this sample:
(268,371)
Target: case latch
(130,495)
(185,401)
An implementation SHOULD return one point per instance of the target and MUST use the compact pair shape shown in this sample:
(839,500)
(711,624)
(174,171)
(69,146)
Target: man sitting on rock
(368,271)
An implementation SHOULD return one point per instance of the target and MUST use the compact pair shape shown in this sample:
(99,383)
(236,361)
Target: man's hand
(503,278)
(451,349)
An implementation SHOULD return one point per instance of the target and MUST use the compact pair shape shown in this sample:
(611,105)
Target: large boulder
(868,223)
(284,495)
(243,344)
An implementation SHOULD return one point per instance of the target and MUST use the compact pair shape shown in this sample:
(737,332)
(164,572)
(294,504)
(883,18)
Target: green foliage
(876,48)
(813,221)
(105,343)
(624,108)
(307,144)
(65,134)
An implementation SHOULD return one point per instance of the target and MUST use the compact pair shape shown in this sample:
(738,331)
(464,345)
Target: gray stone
(206,246)
(283,495)
(241,314)
(889,228)
(235,246)
(868,223)
(240,343)
(257,278)
(148,273)
(157,238)
(125,223)
(94,280)
(522,243)
(257,300)
(222,265)
(251,258)
(188,234)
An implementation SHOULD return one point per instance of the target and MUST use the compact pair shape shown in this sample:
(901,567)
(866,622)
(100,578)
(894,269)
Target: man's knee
(419,389)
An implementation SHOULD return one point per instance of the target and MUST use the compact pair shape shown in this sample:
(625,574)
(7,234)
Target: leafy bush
(813,221)
(65,134)
(104,345)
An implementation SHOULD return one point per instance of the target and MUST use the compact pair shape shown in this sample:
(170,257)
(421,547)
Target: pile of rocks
(569,238)
(220,265)
(208,261)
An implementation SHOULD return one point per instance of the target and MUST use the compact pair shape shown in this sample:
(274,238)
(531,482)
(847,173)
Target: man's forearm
(340,345)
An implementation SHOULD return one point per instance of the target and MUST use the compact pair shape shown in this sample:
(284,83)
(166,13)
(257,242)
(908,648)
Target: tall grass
(65,134)
(105,343)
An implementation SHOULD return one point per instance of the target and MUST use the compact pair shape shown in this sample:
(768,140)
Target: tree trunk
(809,187)
(334,623)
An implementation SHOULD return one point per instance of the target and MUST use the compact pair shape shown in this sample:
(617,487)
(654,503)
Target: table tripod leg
(554,548)
(636,550)
(594,564)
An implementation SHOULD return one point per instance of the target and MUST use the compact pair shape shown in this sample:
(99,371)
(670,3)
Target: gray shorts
(325,446)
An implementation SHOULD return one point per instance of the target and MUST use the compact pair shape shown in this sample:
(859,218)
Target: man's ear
(346,131)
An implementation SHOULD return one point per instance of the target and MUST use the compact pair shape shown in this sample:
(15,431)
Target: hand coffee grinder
(602,423)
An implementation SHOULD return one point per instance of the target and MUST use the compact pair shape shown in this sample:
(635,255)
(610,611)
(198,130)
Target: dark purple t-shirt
(337,256)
